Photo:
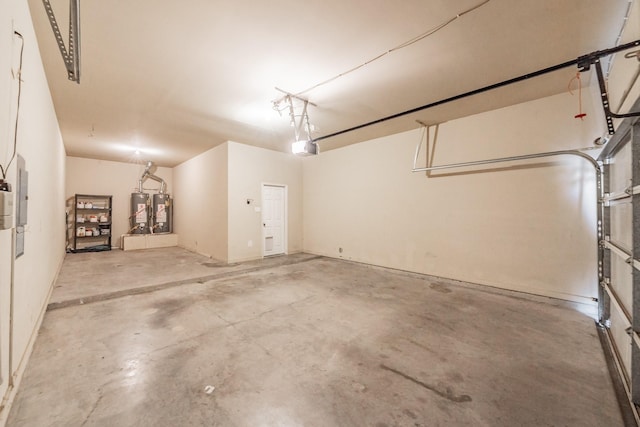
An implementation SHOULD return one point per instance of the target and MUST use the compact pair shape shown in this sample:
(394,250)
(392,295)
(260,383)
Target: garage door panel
(621,223)
(621,281)
(621,339)
(620,170)
(620,229)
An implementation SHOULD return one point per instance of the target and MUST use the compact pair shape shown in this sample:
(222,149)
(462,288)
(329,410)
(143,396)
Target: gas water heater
(139,213)
(161,217)
(150,215)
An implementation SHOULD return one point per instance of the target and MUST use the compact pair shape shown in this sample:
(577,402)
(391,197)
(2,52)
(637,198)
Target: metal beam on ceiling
(71,57)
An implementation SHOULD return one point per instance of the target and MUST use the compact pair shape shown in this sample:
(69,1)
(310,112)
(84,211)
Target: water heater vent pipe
(148,174)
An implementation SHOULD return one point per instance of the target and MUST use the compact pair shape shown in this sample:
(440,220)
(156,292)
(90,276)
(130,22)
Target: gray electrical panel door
(23,192)
(22,197)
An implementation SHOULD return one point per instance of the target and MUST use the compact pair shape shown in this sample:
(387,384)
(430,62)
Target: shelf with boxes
(89,223)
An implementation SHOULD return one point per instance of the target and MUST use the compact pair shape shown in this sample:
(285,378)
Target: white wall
(101,177)
(249,168)
(6,85)
(200,203)
(40,143)
(528,227)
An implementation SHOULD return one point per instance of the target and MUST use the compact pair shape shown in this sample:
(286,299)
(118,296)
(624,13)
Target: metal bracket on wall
(584,64)
(591,160)
(71,57)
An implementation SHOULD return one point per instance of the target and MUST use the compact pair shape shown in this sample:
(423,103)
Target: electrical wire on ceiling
(619,38)
(4,170)
(398,47)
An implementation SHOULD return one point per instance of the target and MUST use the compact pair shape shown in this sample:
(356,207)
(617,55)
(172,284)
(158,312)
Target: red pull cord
(580,115)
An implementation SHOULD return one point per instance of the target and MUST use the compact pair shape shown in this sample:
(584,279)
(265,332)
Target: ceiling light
(304,148)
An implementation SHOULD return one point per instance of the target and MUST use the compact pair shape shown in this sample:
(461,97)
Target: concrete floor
(303,341)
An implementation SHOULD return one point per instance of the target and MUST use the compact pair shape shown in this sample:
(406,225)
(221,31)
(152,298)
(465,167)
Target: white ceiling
(176,78)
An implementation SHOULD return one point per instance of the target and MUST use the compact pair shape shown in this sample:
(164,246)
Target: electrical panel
(6,210)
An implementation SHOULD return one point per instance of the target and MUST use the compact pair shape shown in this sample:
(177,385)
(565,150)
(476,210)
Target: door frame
(285,237)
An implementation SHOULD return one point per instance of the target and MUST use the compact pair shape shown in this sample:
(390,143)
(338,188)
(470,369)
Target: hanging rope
(580,114)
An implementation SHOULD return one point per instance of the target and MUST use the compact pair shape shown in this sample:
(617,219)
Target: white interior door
(273,219)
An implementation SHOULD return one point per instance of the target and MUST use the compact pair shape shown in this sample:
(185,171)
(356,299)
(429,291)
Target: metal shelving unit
(89,223)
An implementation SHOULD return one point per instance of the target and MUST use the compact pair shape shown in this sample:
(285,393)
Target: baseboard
(196,251)
(16,377)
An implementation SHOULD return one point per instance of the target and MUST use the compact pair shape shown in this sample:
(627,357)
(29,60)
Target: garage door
(619,250)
